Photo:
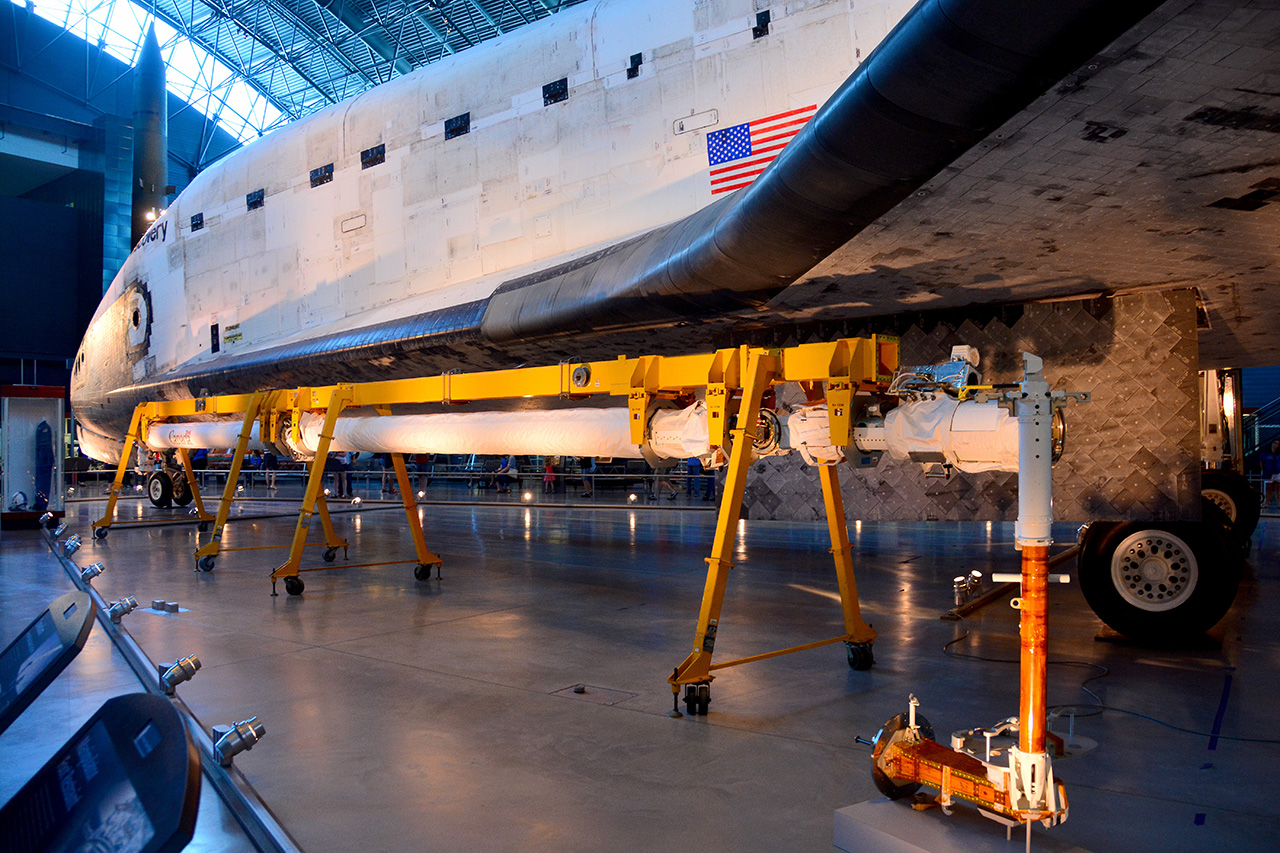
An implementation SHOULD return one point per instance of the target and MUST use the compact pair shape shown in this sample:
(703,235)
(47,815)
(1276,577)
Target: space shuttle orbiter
(614,168)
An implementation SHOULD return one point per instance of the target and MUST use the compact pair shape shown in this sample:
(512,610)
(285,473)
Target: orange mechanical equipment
(905,755)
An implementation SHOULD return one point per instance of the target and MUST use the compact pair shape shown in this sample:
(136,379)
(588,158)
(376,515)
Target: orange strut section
(1033,630)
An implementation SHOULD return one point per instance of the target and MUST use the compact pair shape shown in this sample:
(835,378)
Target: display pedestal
(31,451)
(894,827)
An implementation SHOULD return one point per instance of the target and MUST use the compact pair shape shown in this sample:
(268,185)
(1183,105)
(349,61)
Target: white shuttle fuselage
(378,208)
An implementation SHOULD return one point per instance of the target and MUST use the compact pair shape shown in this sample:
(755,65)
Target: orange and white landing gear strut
(905,755)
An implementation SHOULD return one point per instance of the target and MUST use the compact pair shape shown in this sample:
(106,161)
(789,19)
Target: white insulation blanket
(974,437)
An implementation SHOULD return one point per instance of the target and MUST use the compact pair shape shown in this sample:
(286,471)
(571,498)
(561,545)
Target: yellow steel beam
(858,361)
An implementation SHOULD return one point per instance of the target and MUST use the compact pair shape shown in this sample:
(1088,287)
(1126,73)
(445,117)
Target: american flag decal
(746,149)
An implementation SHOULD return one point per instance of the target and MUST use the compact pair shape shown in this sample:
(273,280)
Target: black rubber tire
(182,494)
(861,656)
(203,527)
(294,585)
(1160,583)
(422,572)
(330,554)
(887,734)
(1240,502)
(159,489)
(101,532)
(207,563)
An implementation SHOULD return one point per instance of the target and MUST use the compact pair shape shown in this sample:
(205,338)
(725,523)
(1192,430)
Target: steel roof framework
(304,55)
(257,64)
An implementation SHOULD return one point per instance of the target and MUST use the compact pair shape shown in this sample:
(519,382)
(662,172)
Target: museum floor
(440,715)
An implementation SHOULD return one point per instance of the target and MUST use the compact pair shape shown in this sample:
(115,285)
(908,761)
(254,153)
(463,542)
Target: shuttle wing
(947,76)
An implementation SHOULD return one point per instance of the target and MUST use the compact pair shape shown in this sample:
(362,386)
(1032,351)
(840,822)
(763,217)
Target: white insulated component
(210,434)
(967,435)
(1034,411)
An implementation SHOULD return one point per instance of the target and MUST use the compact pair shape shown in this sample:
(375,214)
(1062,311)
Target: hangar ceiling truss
(304,55)
(256,64)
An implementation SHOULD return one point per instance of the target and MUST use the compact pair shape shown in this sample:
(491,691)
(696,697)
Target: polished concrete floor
(441,715)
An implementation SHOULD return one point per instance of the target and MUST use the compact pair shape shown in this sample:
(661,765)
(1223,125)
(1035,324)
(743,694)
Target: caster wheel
(100,532)
(697,698)
(206,564)
(691,700)
(294,585)
(860,656)
(330,554)
(203,527)
(422,572)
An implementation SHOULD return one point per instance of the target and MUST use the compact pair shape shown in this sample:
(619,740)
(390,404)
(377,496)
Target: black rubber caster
(207,563)
(861,656)
(697,699)
(203,527)
(100,532)
(330,554)
(422,571)
(294,585)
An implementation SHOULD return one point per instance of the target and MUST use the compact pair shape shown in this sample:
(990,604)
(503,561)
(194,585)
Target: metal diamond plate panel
(1132,452)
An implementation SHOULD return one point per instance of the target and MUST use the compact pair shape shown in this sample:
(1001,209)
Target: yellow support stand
(858,634)
(426,559)
(208,553)
(204,517)
(102,525)
(312,500)
(837,371)
(695,672)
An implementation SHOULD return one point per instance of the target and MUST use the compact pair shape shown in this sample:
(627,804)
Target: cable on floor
(1097,706)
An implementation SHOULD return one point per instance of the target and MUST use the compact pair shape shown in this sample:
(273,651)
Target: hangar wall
(66,185)
(1133,452)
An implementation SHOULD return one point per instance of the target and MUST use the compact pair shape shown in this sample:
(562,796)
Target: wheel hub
(1222,501)
(1154,570)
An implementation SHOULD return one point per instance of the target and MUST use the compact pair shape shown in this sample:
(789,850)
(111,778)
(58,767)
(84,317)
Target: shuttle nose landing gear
(159,489)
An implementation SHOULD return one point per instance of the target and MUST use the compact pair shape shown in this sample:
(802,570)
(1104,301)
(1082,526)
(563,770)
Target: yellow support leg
(206,554)
(426,559)
(760,369)
(102,525)
(332,540)
(860,634)
(192,484)
(315,482)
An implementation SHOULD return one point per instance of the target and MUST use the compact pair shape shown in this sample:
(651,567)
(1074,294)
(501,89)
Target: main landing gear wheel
(894,731)
(159,489)
(206,564)
(330,554)
(294,585)
(182,494)
(1160,582)
(1241,504)
(422,571)
(697,699)
(100,532)
(861,657)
